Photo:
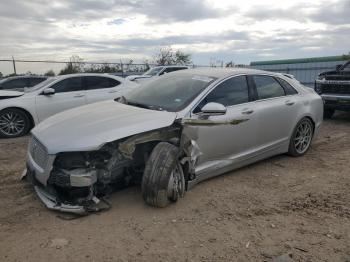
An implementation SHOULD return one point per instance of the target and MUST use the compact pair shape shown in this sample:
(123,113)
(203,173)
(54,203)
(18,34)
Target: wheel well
(29,115)
(312,121)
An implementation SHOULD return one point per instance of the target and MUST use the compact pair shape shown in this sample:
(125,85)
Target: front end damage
(77,182)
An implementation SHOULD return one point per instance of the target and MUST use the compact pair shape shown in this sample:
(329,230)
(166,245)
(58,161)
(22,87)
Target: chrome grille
(337,89)
(38,152)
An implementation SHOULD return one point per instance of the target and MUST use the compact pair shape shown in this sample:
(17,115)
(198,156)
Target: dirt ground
(283,205)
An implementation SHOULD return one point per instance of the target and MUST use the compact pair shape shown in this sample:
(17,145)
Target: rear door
(277,104)
(99,88)
(69,93)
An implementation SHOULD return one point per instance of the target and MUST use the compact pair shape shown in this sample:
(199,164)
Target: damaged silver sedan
(169,135)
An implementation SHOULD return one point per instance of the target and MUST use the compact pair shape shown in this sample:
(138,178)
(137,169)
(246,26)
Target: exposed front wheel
(13,123)
(163,179)
(328,113)
(301,138)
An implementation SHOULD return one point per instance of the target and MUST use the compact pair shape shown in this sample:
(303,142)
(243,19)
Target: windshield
(41,84)
(153,71)
(170,92)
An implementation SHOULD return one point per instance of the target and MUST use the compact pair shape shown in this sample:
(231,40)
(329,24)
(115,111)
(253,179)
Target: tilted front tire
(163,179)
(13,123)
(301,138)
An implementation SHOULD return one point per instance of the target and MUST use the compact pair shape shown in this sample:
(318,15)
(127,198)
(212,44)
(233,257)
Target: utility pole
(14,65)
(122,67)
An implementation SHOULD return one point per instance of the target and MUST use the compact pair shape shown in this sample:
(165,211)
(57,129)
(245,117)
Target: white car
(20,111)
(156,71)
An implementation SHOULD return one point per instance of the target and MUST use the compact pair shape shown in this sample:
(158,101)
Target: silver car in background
(169,135)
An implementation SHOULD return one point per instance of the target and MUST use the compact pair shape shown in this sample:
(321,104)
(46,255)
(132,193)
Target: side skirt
(218,167)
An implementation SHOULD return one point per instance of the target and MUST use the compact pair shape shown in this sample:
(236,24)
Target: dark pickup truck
(334,88)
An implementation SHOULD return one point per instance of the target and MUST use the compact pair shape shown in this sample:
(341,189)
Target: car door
(228,136)
(277,108)
(99,88)
(69,93)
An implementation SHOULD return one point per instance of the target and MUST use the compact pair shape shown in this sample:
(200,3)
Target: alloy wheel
(176,186)
(12,123)
(303,137)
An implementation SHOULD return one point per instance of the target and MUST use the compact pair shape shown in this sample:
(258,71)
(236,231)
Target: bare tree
(167,56)
(230,64)
(75,65)
(182,59)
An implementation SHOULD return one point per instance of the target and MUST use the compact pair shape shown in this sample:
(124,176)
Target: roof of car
(23,76)
(88,74)
(172,66)
(221,72)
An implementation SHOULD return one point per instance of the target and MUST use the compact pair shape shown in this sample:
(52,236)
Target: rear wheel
(301,138)
(163,179)
(328,113)
(13,123)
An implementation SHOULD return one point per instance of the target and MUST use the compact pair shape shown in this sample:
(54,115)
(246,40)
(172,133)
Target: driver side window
(68,85)
(233,91)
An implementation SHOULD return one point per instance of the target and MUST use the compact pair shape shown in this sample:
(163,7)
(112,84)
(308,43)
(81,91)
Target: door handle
(113,91)
(79,95)
(247,111)
(289,103)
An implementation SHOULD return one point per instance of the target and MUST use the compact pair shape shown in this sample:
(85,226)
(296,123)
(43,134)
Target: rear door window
(287,87)
(98,82)
(268,87)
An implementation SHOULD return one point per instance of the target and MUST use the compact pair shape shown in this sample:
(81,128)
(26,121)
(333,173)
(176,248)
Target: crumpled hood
(90,127)
(9,94)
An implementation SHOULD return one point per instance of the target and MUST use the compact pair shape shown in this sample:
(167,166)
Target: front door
(69,93)
(220,139)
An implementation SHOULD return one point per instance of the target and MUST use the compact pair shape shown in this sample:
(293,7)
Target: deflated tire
(163,179)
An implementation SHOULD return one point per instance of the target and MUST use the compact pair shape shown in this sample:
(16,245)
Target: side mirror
(48,91)
(213,109)
(338,67)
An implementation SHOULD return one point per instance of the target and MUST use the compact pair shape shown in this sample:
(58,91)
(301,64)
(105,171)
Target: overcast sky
(109,30)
